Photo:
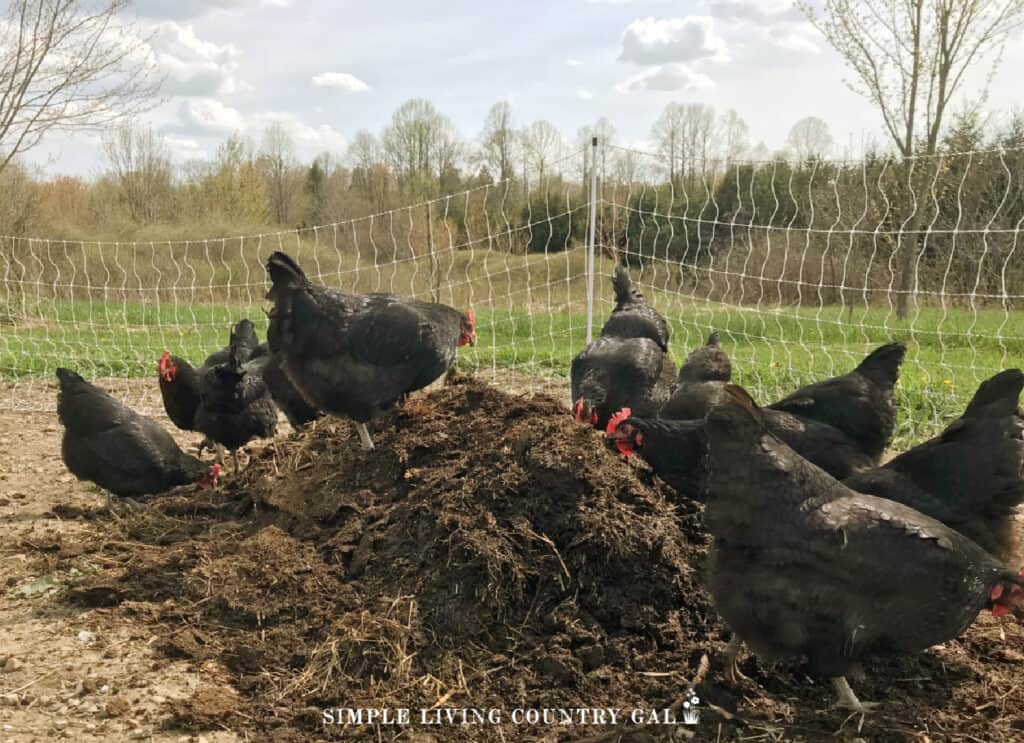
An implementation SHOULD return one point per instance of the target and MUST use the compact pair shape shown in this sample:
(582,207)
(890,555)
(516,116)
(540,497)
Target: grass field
(531,317)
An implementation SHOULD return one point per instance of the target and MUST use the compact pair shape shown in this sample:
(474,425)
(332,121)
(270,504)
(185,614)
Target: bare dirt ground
(70,673)
(488,554)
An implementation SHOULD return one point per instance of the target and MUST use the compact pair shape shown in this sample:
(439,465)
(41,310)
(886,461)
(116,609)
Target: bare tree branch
(69,64)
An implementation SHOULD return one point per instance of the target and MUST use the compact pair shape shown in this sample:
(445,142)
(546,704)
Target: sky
(325,69)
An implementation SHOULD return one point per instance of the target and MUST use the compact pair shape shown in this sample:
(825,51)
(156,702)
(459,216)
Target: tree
(604,130)
(370,176)
(910,58)
(810,139)
(232,185)
(966,132)
(684,136)
(67,64)
(422,146)
(316,177)
(541,144)
(140,167)
(498,142)
(277,157)
(20,201)
(667,133)
(735,136)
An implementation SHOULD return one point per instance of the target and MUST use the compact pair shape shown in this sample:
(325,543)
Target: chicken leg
(846,697)
(112,501)
(731,656)
(364,436)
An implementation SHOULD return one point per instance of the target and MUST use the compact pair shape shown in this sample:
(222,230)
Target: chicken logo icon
(691,715)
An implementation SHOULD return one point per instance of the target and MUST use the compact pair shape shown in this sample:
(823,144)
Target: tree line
(419,156)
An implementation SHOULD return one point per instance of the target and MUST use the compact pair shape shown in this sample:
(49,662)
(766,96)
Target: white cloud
(666,78)
(778,22)
(309,140)
(276,3)
(184,148)
(584,94)
(340,80)
(209,115)
(756,11)
(655,41)
(573,62)
(193,66)
(793,40)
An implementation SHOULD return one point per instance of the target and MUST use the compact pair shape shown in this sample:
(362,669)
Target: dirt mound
(488,554)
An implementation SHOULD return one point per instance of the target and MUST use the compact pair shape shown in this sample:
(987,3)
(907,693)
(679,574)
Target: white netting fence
(803,268)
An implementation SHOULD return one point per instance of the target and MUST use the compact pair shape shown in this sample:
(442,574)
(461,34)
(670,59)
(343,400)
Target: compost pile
(489,553)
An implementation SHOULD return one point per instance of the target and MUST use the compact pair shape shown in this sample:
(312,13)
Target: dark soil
(488,554)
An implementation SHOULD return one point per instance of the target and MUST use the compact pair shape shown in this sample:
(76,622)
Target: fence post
(591,262)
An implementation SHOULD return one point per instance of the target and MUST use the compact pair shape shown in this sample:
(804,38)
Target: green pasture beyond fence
(800,268)
(532,320)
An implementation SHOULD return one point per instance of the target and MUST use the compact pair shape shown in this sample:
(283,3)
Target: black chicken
(800,565)
(244,339)
(125,453)
(859,405)
(179,388)
(702,378)
(180,382)
(287,398)
(843,424)
(628,366)
(235,405)
(259,360)
(632,317)
(969,477)
(675,448)
(357,355)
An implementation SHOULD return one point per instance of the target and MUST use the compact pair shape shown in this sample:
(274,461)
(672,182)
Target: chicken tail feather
(998,396)
(284,271)
(744,400)
(68,378)
(622,285)
(882,366)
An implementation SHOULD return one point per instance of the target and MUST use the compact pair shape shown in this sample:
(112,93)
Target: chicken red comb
(165,362)
(471,317)
(616,419)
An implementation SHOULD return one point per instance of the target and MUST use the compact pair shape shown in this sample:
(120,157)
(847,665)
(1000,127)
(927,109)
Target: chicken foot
(846,697)
(364,436)
(204,445)
(128,504)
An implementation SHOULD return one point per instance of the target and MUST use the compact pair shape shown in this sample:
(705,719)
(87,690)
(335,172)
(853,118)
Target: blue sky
(327,69)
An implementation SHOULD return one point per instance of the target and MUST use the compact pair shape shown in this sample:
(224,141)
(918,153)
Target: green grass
(123,332)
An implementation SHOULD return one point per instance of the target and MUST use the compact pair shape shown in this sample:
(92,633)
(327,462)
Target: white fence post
(591,263)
